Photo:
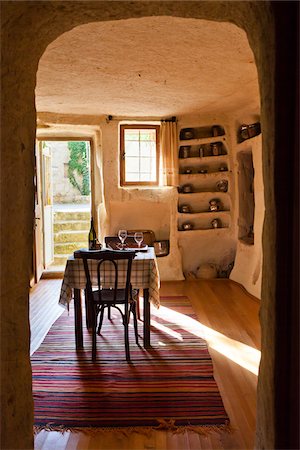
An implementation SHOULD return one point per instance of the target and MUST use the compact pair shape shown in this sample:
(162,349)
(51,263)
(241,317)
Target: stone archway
(28,27)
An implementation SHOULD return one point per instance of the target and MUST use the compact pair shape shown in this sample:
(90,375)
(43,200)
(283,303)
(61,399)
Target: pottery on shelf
(216,148)
(185,208)
(187,226)
(222,185)
(216,223)
(185,151)
(187,188)
(214,204)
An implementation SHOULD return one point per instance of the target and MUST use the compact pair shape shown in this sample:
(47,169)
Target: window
(139,157)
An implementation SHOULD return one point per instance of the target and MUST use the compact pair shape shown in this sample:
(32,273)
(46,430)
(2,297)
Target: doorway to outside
(65,198)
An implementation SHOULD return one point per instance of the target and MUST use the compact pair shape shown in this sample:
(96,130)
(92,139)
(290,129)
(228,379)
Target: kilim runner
(170,386)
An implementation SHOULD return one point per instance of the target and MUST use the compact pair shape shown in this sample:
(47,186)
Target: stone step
(80,225)
(70,236)
(69,247)
(60,260)
(71,215)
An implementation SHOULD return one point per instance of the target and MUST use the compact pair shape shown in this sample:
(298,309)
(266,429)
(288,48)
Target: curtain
(169,150)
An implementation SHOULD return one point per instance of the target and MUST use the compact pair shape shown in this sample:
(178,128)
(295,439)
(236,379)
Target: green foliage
(78,164)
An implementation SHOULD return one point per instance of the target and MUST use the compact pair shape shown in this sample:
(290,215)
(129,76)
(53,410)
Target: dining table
(144,276)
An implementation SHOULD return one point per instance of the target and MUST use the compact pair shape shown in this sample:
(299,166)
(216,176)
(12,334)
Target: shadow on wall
(141,215)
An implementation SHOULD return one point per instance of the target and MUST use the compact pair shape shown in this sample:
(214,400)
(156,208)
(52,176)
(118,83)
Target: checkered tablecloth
(144,274)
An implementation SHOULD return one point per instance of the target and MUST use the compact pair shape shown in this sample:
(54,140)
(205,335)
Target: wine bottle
(92,236)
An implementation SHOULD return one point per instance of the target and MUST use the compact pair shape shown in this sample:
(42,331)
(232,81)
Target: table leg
(146,319)
(88,312)
(78,319)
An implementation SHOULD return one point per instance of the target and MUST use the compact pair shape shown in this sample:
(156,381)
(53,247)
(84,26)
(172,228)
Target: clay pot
(207,271)
(222,185)
(187,188)
(187,226)
(185,151)
(216,223)
(216,148)
(185,209)
(214,205)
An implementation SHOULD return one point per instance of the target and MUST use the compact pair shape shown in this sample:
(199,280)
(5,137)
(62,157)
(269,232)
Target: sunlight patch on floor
(242,354)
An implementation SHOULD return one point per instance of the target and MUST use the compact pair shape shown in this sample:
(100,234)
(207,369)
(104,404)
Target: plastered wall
(157,208)
(248,262)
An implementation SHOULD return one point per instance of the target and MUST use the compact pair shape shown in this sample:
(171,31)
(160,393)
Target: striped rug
(171,386)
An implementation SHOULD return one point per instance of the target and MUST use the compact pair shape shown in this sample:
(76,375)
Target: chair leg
(137,301)
(138,304)
(109,313)
(101,319)
(138,307)
(126,338)
(135,324)
(94,329)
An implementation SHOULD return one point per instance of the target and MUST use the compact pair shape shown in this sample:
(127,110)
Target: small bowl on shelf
(222,185)
(187,188)
(185,209)
(188,134)
(214,204)
(187,226)
(216,223)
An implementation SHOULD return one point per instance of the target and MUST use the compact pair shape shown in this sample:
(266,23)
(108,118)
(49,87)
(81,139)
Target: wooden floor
(229,321)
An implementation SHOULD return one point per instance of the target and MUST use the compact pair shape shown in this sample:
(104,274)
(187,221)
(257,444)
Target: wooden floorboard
(229,318)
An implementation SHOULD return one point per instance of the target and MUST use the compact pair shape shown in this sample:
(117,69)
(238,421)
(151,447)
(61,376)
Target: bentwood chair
(112,267)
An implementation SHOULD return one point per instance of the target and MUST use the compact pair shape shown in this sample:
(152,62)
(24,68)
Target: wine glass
(138,237)
(122,236)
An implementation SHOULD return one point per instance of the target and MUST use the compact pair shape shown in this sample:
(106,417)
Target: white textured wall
(116,207)
(248,262)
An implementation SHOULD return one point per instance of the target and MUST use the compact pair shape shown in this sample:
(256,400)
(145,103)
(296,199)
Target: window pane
(146,177)
(145,165)
(132,165)
(153,166)
(132,148)
(131,135)
(132,177)
(147,135)
(148,149)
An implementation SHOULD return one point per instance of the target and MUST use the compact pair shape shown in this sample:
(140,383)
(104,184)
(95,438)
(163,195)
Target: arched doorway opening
(19,130)
(63,64)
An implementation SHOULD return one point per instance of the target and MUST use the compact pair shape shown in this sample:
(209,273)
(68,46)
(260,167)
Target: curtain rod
(140,119)
(172,119)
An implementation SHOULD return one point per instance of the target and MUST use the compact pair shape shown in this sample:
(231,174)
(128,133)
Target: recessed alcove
(246,197)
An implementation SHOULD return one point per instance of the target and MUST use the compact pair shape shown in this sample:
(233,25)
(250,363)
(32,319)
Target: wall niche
(246,197)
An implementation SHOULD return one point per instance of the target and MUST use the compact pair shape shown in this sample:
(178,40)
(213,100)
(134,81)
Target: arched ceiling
(149,67)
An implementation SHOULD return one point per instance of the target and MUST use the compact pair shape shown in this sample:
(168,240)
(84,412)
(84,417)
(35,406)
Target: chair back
(112,271)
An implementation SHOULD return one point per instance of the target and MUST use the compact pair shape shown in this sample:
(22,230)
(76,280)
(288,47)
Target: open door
(38,251)
(47,204)
(62,195)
